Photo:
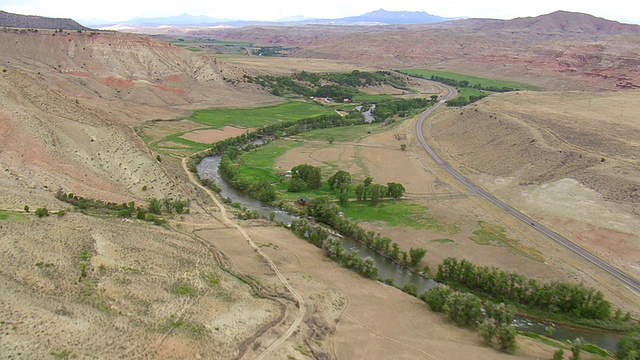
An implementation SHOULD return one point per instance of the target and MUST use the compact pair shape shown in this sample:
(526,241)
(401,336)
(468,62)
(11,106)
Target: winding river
(387,269)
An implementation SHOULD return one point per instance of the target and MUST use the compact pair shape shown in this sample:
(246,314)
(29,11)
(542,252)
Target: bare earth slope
(569,159)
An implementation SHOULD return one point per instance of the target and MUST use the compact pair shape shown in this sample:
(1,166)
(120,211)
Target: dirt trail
(300,301)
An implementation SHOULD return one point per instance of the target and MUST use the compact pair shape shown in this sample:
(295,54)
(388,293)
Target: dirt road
(301,306)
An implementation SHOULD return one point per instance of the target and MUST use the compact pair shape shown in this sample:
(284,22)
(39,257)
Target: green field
(11,215)
(185,43)
(496,235)
(473,80)
(258,164)
(397,213)
(346,133)
(243,118)
(467,92)
(256,117)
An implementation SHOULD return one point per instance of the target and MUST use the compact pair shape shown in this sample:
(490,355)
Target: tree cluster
(376,192)
(463,101)
(465,84)
(333,248)
(311,175)
(466,309)
(155,208)
(555,297)
(386,109)
(325,211)
(629,347)
(336,86)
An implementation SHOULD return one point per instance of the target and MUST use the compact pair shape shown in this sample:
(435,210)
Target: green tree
(42,212)
(376,194)
(343,196)
(629,347)
(488,330)
(267,193)
(155,206)
(411,289)
(296,185)
(558,355)
(403,147)
(464,308)
(26,208)
(368,181)
(395,190)
(416,256)
(323,210)
(311,175)
(437,297)
(507,338)
(360,192)
(339,179)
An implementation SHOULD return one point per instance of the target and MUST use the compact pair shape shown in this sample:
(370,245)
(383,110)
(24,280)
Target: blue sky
(627,11)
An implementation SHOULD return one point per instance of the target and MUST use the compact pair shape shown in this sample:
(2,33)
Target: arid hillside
(69,100)
(561,50)
(569,159)
(10,20)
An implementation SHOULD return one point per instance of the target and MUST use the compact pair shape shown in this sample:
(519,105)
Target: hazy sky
(116,10)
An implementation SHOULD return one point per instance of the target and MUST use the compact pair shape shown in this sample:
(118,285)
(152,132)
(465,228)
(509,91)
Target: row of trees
(402,107)
(493,321)
(555,297)
(336,86)
(333,248)
(463,101)
(323,210)
(376,192)
(465,84)
(308,176)
(156,207)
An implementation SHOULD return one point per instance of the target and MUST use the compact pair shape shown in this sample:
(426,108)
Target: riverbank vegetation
(339,87)
(155,212)
(470,88)
(560,301)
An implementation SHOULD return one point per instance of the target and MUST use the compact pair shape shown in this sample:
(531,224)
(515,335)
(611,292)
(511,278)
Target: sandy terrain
(210,136)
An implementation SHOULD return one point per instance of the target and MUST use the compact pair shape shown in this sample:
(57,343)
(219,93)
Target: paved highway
(625,278)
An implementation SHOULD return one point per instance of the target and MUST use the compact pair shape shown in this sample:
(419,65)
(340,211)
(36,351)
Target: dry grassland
(568,159)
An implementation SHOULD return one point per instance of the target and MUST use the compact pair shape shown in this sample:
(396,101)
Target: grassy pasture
(257,117)
(473,80)
(340,134)
(258,164)
(172,136)
(11,215)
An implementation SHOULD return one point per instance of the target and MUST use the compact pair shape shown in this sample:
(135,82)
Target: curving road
(629,281)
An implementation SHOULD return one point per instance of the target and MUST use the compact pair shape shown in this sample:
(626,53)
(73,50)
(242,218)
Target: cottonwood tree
(339,179)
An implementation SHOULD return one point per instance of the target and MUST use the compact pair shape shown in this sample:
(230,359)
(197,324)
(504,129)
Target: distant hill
(375,17)
(393,18)
(37,22)
(179,20)
(564,22)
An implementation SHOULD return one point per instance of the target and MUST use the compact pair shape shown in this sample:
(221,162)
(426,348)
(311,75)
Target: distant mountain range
(37,22)
(378,17)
